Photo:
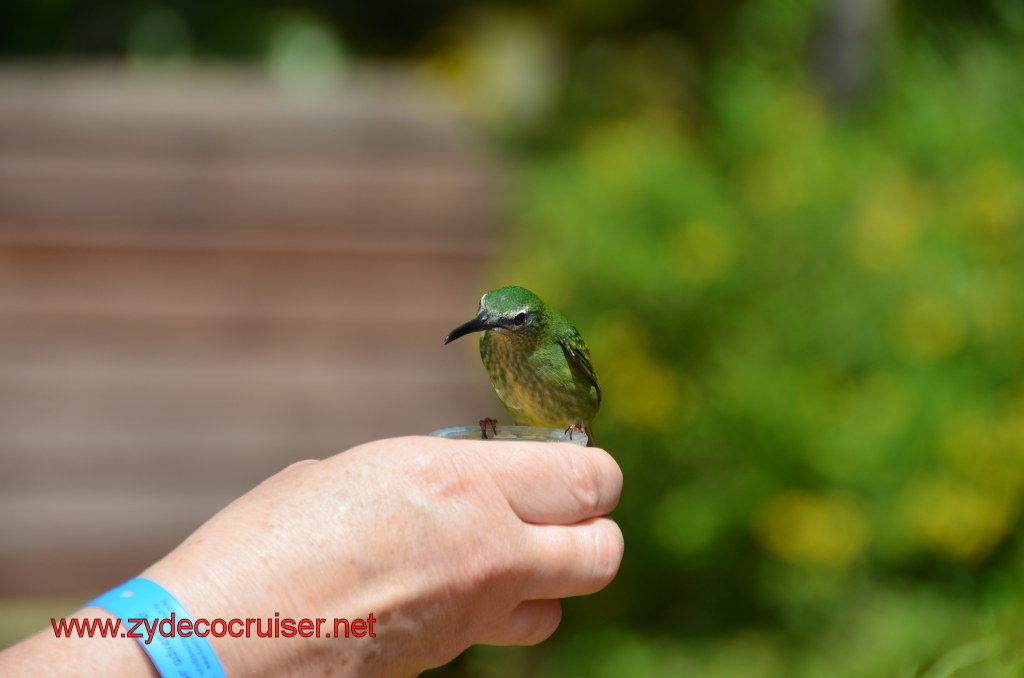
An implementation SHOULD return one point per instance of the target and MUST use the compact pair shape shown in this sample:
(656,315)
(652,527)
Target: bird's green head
(510,310)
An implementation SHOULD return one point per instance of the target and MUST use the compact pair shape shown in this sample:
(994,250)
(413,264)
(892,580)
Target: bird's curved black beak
(477,324)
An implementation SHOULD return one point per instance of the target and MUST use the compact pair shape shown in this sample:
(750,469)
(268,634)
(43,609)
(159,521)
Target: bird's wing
(577,352)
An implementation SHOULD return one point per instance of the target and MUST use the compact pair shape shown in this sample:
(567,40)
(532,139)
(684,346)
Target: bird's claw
(574,428)
(488,423)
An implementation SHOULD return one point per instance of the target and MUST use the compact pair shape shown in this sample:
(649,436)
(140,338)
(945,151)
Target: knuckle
(292,471)
(585,485)
(539,624)
(607,549)
(547,624)
(299,465)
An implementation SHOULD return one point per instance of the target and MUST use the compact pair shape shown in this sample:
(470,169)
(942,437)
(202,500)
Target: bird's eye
(519,319)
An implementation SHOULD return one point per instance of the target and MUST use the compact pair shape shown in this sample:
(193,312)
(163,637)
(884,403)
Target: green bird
(538,363)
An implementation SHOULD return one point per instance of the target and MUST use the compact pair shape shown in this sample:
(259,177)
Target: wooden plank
(233,284)
(62,463)
(104,342)
(192,199)
(237,113)
(127,516)
(338,407)
(79,541)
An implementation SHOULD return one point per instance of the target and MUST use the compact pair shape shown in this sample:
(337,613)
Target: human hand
(447,543)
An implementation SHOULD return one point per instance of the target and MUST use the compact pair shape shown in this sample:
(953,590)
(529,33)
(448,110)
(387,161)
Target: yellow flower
(930,328)
(985,450)
(993,188)
(888,225)
(640,390)
(955,517)
(813,529)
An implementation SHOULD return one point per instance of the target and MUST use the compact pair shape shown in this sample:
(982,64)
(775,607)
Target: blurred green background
(792,234)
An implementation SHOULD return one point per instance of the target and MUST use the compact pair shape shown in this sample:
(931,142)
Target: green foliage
(809,330)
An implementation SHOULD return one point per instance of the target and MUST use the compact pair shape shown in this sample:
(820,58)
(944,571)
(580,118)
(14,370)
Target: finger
(556,483)
(571,560)
(531,622)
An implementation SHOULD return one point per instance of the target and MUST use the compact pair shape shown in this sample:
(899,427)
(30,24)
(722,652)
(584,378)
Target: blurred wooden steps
(202,280)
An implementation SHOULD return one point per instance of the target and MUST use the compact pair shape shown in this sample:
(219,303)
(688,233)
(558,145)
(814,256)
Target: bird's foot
(488,423)
(575,428)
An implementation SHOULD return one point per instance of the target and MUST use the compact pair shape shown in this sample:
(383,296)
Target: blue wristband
(174,653)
